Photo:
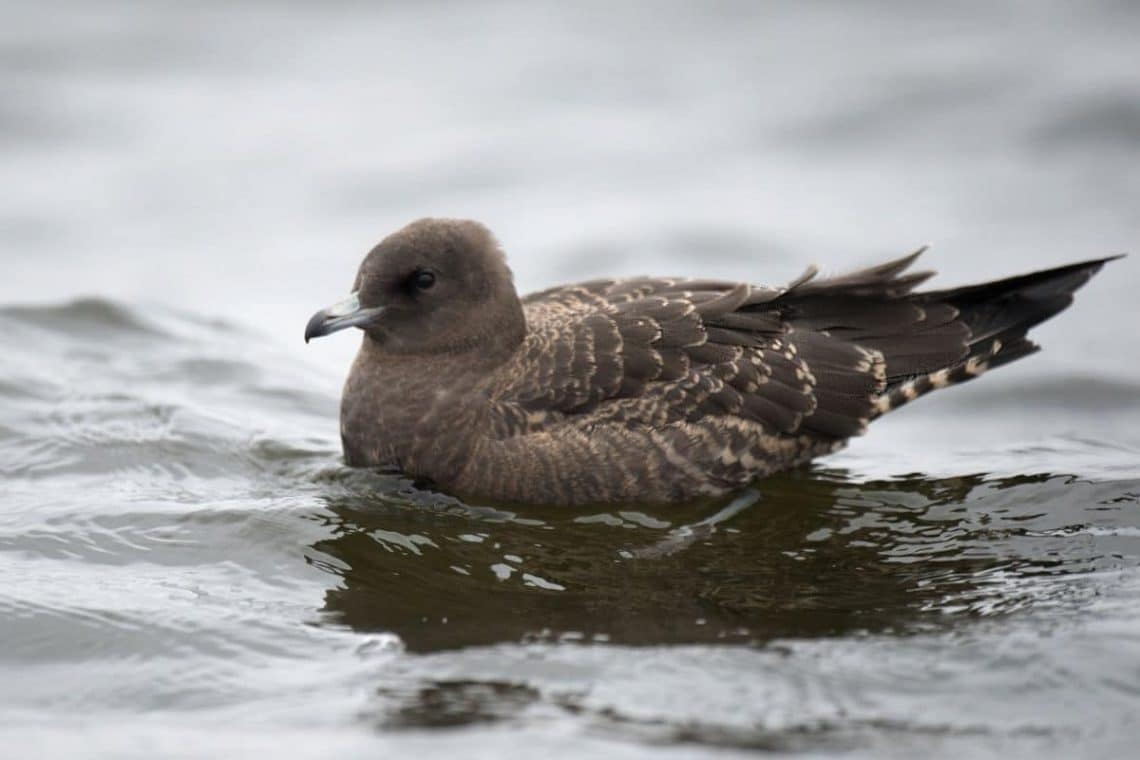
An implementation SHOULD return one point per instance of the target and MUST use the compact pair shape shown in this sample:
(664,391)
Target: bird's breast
(409,413)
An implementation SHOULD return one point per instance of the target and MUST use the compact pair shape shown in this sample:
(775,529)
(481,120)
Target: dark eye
(423,279)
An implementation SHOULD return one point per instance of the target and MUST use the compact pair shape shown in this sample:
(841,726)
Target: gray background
(238,159)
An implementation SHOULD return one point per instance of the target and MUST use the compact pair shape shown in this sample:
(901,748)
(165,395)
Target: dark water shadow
(816,555)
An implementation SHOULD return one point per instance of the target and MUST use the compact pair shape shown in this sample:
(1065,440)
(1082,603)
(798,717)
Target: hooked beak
(346,313)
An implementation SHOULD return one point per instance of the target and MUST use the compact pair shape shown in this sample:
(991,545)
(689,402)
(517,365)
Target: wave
(95,386)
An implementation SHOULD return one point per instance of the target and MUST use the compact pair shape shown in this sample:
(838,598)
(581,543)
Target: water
(190,571)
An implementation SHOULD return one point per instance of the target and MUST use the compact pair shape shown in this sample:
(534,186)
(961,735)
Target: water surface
(190,569)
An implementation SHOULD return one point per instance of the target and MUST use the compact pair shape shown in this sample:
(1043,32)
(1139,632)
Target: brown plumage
(645,389)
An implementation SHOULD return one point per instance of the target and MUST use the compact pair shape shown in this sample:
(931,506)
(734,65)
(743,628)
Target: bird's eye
(423,279)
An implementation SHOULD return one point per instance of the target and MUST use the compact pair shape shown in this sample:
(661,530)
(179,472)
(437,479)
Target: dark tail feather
(998,316)
(1006,309)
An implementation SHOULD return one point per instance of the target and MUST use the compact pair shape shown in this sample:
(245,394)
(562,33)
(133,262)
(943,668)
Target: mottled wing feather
(656,351)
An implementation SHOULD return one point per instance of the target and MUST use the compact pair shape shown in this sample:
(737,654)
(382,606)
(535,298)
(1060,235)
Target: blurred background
(238,159)
(189,570)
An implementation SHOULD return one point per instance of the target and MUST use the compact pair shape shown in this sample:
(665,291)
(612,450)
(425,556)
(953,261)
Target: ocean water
(190,571)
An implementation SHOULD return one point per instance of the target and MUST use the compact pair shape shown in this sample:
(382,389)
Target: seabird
(649,389)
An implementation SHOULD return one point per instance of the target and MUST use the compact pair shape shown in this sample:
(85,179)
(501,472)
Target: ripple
(83,318)
(818,695)
(185,404)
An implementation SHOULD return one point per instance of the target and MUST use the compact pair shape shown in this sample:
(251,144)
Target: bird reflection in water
(811,554)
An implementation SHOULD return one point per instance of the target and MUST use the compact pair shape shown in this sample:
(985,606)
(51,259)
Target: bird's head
(436,286)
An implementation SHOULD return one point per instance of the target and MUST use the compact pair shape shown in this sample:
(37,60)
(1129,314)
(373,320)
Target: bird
(645,390)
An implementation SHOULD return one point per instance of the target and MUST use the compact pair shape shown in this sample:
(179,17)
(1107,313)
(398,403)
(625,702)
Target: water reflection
(816,555)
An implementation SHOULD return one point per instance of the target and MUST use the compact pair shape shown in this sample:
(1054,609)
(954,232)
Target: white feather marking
(975,366)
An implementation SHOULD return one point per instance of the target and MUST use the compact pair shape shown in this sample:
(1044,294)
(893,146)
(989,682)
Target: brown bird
(645,390)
